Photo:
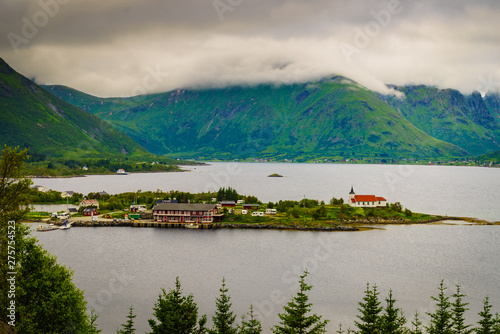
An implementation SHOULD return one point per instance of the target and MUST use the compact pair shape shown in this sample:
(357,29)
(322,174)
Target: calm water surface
(119,267)
(446,190)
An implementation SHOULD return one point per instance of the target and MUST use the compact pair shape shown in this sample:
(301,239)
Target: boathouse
(185,213)
(366,201)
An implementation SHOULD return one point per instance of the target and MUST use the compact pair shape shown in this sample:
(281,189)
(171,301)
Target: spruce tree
(458,310)
(441,320)
(392,321)
(417,325)
(252,326)
(295,319)
(176,314)
(128,328)
(224,317)
(486,322)
(370,312)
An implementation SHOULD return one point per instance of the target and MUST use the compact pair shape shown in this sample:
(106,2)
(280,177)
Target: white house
(41,188)
(89,202)
(366,201)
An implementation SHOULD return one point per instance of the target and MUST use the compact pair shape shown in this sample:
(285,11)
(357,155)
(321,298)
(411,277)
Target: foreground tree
(46,299)
(252,326)
(486,322)
(224,317)
(295,319)
(459,307)
(176,314)
(370,320)
(128,328)
(441,320)
(392,321)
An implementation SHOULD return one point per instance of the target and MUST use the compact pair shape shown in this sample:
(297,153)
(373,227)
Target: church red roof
(365,198)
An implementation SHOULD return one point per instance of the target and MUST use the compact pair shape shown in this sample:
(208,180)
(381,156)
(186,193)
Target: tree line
(176,313)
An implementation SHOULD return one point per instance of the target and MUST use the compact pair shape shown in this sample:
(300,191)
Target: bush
(408,213)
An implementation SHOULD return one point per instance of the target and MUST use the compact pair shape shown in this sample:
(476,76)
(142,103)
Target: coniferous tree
(458,310)
(295,319)
(417,325)
(370,312)
(441,320)
(224,317)
(392,321)
(176,314)
(252,326)
(44,289)
(486,322)
(128,328)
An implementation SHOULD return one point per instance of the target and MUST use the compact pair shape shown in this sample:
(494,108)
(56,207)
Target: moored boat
(191,225)
(45,228)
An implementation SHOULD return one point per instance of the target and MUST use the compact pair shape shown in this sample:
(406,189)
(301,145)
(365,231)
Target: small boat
(191,225)
(65,226)
(43,228)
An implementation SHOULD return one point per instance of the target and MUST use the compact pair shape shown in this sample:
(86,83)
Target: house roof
(228,202)
(90,201)
(367,198)
(184,207)
(89,209)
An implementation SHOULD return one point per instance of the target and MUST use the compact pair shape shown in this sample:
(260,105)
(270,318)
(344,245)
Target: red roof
(381,199)
(365,198)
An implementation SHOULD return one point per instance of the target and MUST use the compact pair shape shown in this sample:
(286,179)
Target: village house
(66,194)
(251,206)
(89,202)
(90,212)
(185,213)
(366,201)
(41,188)
(230,204)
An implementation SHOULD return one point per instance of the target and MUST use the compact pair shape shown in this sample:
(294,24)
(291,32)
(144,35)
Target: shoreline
(351,226)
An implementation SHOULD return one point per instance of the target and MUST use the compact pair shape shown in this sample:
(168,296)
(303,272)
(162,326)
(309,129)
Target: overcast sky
(131,47)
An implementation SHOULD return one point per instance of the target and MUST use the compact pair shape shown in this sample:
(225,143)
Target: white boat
(45,228)
(191,225)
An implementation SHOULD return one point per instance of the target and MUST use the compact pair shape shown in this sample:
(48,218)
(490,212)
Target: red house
(90,212)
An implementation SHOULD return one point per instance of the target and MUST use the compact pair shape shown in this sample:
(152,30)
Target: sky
(131,47)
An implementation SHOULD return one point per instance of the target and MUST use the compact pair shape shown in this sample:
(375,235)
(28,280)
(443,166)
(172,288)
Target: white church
(366,201)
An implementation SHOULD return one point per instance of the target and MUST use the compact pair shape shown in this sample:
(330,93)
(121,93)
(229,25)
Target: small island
(275,175)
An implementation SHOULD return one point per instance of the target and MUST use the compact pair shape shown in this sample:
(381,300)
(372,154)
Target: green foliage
(295,319)
(396,207)
(392,321)
(408,213)
(251,200)
(459,307)
(417,327)
(44,289)
(175,313)
(370,319)
(335,201)
(224,317)
(228,194)
(308,203)
(128,327)
(252,326)
(486,322)
(441,320)
(33,118)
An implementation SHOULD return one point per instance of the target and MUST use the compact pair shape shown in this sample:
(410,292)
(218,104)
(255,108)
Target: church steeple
(352,191)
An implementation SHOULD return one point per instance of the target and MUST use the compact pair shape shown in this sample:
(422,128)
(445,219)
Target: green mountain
(32,117)
(470,122)
(332,118)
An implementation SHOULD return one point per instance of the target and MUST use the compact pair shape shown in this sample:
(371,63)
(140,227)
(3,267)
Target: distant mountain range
(32,117)
(335,117)
(332,118)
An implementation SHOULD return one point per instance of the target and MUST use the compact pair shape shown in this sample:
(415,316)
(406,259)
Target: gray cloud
(112,47)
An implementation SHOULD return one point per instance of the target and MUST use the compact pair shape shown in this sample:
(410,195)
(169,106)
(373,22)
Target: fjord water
(121,266)
(444,190)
